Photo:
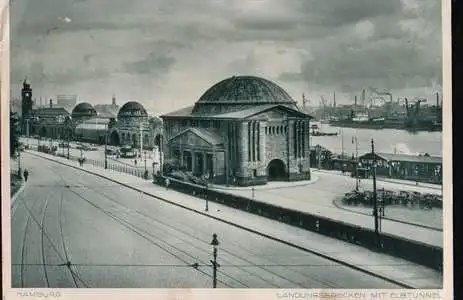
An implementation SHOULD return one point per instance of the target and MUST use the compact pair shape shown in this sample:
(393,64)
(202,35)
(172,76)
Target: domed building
(83,111)
(134,127)
(244,130)
(88,126)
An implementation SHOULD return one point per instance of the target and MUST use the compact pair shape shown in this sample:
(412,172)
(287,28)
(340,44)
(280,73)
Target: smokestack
(355,101)
(363,97)
(114,100)
(51,103)
(334,99)
(437,99)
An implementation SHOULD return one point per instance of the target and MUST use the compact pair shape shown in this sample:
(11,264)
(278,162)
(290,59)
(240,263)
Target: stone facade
(266,141)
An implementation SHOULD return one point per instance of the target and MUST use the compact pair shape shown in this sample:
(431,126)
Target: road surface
(73,229)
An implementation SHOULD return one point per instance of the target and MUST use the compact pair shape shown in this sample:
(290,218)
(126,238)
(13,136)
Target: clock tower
(26,95)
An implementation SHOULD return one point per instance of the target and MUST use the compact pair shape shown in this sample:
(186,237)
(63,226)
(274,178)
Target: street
(114,237)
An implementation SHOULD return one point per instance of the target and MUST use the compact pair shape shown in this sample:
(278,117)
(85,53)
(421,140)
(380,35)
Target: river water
(385,140)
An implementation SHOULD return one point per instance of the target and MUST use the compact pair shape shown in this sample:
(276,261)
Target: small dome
(83,110)
(132,109)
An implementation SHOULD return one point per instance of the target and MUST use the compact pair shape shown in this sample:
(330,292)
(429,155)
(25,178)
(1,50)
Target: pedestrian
(167,183)
(26,174)
(135,161)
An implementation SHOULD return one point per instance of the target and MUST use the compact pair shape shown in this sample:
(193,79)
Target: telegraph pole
(141,141)
(357,165)
(375,200)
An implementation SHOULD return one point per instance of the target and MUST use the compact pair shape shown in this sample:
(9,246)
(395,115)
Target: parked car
(111,152)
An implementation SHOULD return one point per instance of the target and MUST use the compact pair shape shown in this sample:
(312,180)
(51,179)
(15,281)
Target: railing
(118,167)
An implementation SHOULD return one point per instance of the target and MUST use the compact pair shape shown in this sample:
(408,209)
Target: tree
(15,130)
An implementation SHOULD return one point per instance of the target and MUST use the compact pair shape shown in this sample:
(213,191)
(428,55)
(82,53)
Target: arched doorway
(114,139)
(276,171)
(157,140)
(134,140)
(43,132)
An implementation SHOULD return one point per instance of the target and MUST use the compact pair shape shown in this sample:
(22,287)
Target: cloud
(146,50)
(151,64)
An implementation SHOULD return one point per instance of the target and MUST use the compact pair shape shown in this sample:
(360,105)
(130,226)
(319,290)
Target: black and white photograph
(226,144)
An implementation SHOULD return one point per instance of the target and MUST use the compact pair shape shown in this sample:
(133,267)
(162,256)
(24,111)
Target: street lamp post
(207,191)
(19,162)
(69,140)
(106,147)
(145,159)
(215,245)
(356,165)
(375,200)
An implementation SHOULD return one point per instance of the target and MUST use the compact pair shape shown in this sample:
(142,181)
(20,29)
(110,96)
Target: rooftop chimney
(114,100)
(51,103)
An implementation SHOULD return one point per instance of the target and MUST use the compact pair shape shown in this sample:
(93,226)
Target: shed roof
(406,158)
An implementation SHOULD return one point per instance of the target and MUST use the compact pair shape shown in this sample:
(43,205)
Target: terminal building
(130,126)
(244,130)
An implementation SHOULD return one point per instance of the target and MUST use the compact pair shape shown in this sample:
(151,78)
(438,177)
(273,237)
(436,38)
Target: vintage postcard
(272,149)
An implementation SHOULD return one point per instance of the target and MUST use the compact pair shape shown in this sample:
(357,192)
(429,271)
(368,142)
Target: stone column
(290,145)
(193,158)
(262,149)
(243,150)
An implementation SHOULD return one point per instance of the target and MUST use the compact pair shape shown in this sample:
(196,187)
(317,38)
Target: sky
(166,53)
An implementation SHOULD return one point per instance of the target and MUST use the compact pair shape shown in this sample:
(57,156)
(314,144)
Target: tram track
(44,237)
(263,267)
(196,245)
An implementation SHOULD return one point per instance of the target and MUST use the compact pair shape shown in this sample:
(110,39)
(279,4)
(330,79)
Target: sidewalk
(269,186)
(382,179)
(390,267)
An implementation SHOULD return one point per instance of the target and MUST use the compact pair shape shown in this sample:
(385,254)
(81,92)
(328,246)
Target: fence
(118,167)
(420,253)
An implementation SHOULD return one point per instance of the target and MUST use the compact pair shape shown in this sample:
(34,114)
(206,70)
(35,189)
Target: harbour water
(386,141)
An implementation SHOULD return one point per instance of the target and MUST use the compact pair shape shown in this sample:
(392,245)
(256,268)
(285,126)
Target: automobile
(21,147)
(111,152)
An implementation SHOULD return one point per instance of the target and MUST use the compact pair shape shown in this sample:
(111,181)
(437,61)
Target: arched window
(265,129)
(278,130)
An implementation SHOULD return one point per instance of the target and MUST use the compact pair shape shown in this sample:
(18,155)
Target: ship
(414,118)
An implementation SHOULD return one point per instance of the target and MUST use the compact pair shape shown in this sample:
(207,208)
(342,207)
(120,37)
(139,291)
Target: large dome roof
(241,92)
(246,89)
(83,109)
(132,109)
